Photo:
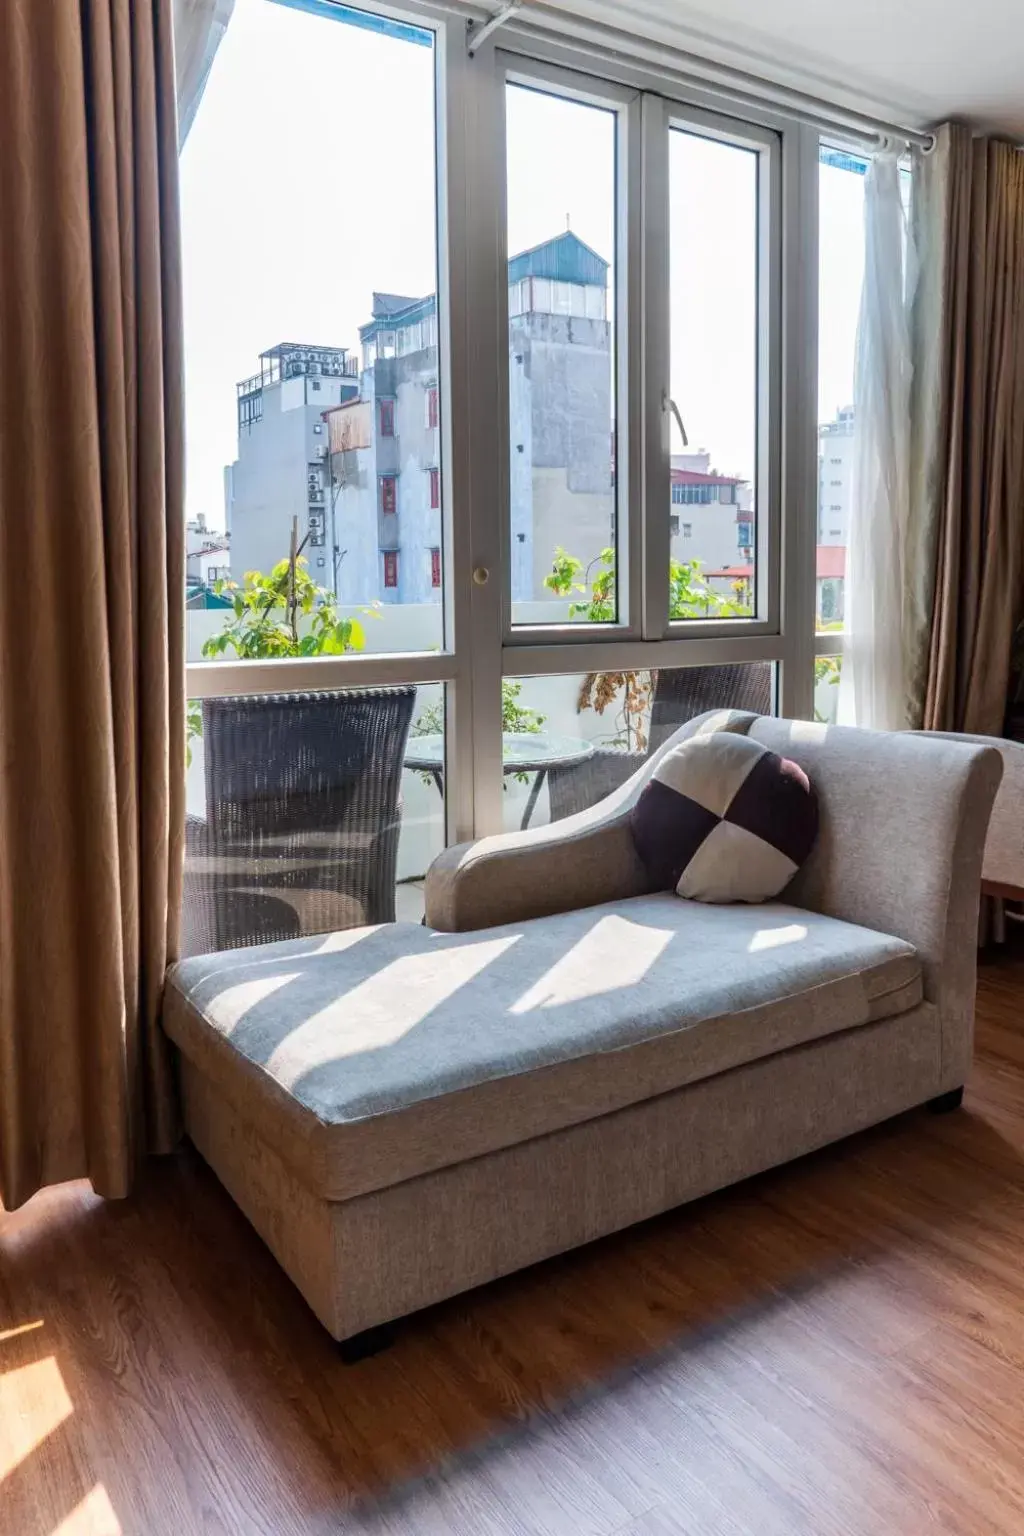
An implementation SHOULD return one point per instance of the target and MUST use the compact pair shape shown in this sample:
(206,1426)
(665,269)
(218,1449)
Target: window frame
(387,486)
(667,115)
(480,645)
(533,71)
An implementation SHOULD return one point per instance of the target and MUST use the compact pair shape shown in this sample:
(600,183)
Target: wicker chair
(680,693)
(302,816)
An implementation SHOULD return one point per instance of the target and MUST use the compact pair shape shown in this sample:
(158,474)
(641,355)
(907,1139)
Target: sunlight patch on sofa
(382,1008)
(774,938)
(615,953)
(239,1000)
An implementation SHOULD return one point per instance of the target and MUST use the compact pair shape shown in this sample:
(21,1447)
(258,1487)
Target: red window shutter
(435,488)
(435,567)
(387,493)
(432,407)
(391,568)
(387,418)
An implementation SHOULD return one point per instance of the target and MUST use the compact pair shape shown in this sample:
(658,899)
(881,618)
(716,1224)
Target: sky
(308,181)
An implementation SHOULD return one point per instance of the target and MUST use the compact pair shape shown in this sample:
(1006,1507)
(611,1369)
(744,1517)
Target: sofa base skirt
(368,1260)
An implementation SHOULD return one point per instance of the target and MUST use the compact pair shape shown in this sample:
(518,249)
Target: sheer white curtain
(873,687)
(199,26)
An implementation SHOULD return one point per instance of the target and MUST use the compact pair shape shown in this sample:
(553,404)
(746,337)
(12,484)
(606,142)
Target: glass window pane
(571,740)
(827,672)
(714,331)
(561,242)
(305,814)
(310,333)
(840,276)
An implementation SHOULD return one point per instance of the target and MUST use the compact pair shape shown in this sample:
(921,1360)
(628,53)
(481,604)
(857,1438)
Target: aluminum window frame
(480,645)
(529,72)
(766,144)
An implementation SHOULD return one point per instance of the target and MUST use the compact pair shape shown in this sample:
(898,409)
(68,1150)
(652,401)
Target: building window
(435,488)
(435,567)
(389,493)
(318,427)
(743,535)
(391,568)
(835,533)
(673,524)
(432,406)
(687,530)
(387,418)
(700,495)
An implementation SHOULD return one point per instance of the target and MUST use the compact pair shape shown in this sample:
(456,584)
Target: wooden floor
(834,1349)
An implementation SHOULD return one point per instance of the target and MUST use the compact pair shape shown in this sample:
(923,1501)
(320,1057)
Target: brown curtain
(91,583)
(980,501)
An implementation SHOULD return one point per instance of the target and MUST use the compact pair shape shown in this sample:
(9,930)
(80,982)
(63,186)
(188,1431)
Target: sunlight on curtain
(872,691)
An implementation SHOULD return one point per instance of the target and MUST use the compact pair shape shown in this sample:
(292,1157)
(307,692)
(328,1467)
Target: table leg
(531,804)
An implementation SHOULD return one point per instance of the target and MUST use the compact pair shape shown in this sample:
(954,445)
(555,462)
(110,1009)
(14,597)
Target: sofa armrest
(580,861)
(903,824)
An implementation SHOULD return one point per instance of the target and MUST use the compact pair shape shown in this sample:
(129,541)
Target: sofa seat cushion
(377,1054)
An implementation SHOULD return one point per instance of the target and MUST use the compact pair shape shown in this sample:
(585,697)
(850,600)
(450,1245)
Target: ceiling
(918,60)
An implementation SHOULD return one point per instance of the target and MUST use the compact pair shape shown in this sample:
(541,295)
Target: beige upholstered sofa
(404,1112)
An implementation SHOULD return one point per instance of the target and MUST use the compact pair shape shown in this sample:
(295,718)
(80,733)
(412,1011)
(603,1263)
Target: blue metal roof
(366,19)
(842,160)
(418,309)
(565,258)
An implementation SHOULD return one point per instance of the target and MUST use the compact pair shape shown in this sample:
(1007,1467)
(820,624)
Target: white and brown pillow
(725,819)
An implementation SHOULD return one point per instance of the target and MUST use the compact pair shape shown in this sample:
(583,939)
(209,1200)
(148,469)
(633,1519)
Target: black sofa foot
(946,1102)
(372,1341)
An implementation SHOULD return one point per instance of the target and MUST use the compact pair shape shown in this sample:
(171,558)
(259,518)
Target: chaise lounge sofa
(405,1111)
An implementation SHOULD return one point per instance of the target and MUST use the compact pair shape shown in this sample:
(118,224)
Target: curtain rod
(599,40)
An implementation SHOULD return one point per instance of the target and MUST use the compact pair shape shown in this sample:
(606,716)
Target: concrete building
(207,558)
(283,470)
(835,477)
(354,449)
(560,410)
(711,520)
(386,450)
(835,507)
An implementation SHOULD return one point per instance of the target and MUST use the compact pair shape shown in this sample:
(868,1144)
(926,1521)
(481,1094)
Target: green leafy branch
(593,593)
(280,614)
(690,597)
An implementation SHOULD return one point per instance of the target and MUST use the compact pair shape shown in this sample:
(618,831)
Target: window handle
(668,404)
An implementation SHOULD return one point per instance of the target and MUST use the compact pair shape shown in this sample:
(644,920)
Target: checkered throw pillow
(725,819)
